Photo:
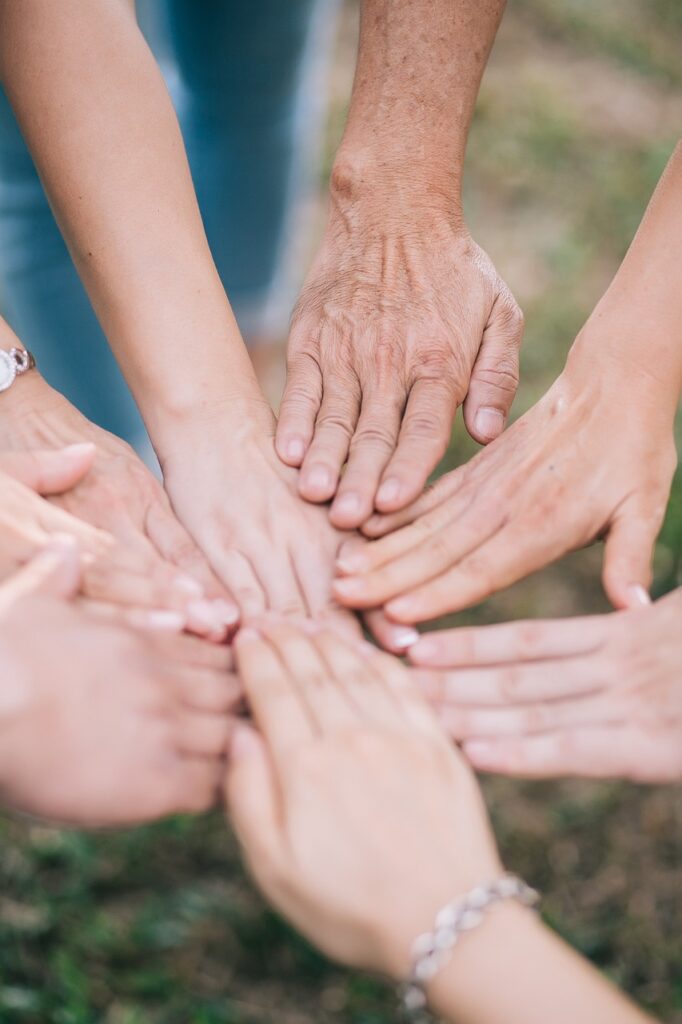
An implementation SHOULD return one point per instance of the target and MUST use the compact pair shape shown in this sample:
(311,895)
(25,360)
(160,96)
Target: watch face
(8,370)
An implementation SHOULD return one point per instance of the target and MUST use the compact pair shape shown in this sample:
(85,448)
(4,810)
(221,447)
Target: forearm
(99,122)
(420,64)
(514,970)
(638,323)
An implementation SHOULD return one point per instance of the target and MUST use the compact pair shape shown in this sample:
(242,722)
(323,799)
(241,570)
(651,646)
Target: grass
(578,114)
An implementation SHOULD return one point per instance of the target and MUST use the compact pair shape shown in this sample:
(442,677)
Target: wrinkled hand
(102,725)
(345,743)
(395,328)
(599,697)
(119,495)
(272,550)
(593,459)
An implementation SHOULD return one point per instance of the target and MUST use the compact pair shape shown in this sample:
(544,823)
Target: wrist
(236,424)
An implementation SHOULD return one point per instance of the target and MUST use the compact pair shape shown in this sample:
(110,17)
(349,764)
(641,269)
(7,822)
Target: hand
(599,697)
(272,550)
(100,725)
(358,819)
(398,324)
(594,458)
(118,495)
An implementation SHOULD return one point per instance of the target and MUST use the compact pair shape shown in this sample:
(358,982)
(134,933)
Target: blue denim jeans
(246,81)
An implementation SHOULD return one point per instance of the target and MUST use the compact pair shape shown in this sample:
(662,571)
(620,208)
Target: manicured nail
(82,448)
(247,634)
(295,449)
(318,478)
(401,608)
(350,587)
(188,585)
(226,611)
(639,597)
(480,751)
(425,651)
(389,492)
(403,637)
(347,504)
(164,621)
(489,423)
(204,613)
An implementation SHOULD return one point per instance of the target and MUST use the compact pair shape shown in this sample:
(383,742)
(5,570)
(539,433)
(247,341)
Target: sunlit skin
(599,697)
(593,459)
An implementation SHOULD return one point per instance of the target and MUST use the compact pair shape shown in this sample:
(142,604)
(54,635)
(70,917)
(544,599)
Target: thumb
(627,561)
(49,472)
(495,376)
(54,572)
(252,800)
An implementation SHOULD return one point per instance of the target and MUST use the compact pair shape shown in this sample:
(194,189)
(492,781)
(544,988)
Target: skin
(113,573)
(153,743)
(135,233)
(345,742)
(603,432)
(599,697)
(403,317)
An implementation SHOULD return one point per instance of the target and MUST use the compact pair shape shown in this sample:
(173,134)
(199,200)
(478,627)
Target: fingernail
(403,637)
(352,557)
(489,423)
(389,491)
(226,611)
(401,608)
(204,613)
(295,449)
(349,587)
(639,597)
(347,504)
(479,751)
(425,650)
(318,478)
(82,448)
(165,621)
(188,585)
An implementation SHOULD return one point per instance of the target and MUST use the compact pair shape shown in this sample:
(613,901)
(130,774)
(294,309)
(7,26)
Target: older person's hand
(102,725)
(394,330)
(115,573)
(349,788)
(599,697)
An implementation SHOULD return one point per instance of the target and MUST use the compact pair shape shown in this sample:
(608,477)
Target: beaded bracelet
(432,950)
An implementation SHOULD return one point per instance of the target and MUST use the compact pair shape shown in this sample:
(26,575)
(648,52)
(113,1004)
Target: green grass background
(578,114)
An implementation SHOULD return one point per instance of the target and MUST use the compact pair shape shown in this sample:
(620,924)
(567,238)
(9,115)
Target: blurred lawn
(579,111)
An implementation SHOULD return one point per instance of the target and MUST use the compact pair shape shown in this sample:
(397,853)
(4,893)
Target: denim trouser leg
(245,81)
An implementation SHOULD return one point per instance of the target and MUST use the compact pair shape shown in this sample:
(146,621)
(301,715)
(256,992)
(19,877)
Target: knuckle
(374,435)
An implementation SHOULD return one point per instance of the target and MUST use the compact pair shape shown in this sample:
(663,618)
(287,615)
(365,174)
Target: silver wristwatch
(13,364)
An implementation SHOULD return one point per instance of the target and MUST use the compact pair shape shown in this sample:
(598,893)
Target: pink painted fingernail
(164,621)
(205,614)
(82,448)
(403,637)
(389,492)
(226,611)
(295,449)
(638,596)
(188,585)
(489,423)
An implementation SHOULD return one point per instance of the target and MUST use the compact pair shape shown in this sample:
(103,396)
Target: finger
(590,709)
(201,779)
(417,713)
(194,652)
(276,706)
(200,734)
(334,429)
(281,583)
(299,407)
(597,752)
(510,555)
(628,557)
(54,572)
(49,472)
(438,552)
(204,690)
(152,620)
(253,800)
(518,683)
(390,635)
(354,670)
(371,448)
(175,546)
(495,376)
(423,441)
(312,678)
(510,642)
(238,575)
